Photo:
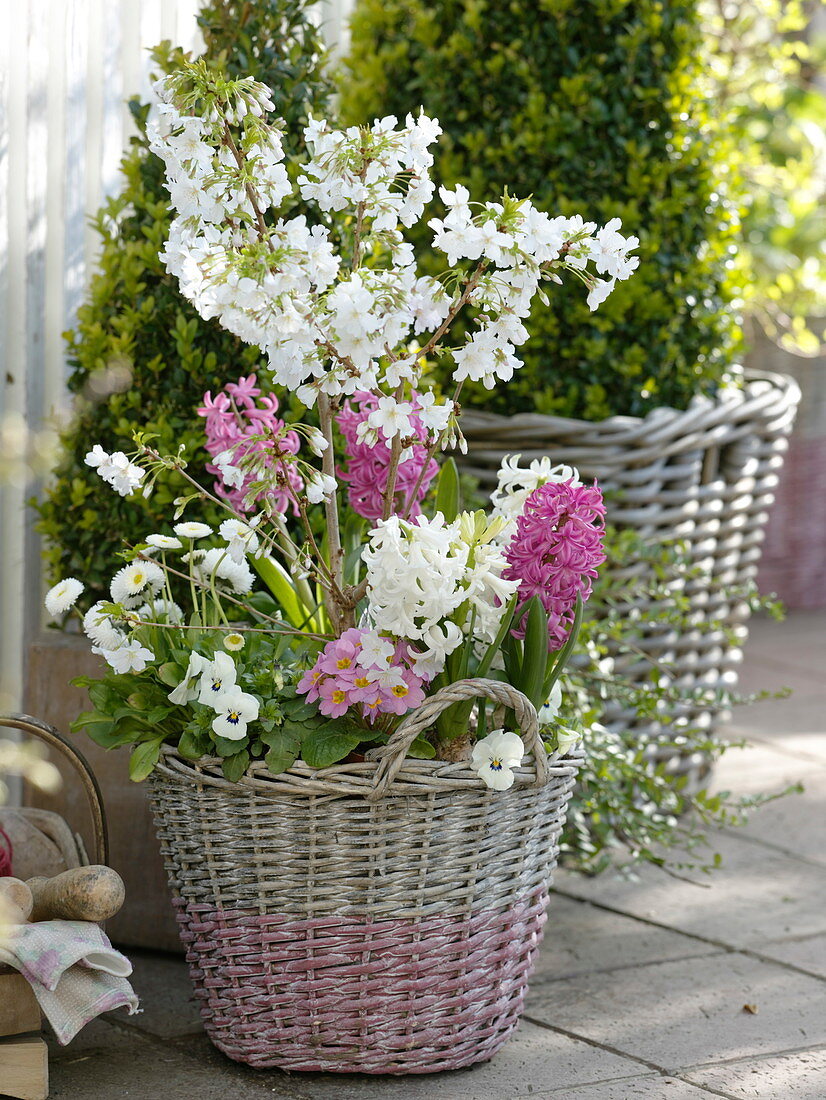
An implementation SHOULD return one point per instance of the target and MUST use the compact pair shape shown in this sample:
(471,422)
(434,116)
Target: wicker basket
(707,476)
(374,917)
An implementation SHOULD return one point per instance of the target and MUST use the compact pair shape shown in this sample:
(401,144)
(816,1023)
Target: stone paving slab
(800,1076)
(758,895)
(638,1088)
(686,1013)
(581,938)
(535,1062)
(808,954)
(146,1070)
(168,1005)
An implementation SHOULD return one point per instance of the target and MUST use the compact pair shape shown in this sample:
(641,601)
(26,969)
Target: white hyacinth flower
(187,689)
(495,756)
(217,677)
(234,709)
(62,596)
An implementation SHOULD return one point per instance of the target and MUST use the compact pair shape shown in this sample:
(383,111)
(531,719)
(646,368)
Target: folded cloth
(73,969)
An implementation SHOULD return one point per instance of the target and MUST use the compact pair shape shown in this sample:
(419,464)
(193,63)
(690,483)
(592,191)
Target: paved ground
(641,988)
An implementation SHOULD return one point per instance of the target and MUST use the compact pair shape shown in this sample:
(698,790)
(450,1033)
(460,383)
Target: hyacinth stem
(341,615)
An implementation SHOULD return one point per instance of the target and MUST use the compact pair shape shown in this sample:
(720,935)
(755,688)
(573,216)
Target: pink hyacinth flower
(555,551)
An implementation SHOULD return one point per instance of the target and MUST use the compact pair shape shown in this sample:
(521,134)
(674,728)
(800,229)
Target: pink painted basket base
(350,994)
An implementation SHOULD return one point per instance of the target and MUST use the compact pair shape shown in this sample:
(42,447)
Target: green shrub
(589,106)
(763,73)
(140,355)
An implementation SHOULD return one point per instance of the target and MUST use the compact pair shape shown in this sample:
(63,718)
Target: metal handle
(50,735)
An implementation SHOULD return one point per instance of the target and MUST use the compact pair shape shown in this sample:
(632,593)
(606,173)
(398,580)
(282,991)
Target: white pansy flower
(234,710)
(128,657)
(190,529)
(549,710)
(130,583)
(495,756)
(100,628)
(187,689)
(233,642)
(62,596)
(217,677)
(566,739)
(163,542)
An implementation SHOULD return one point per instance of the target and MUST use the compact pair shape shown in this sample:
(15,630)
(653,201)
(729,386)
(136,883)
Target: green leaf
(421,749)
(170,674)
(192,746)
(447,491)
(330,743)
(224,746)
(280,583)
(535,650)
(143,760)
(284,744)
(504,626)
(562,658)
(234,767)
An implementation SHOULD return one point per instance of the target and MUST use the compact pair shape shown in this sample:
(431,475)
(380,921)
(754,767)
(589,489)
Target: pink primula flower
(333,698)
(354,671)
(555,551)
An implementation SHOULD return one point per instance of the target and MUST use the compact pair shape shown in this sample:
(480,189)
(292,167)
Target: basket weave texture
(705,476)
(378,917)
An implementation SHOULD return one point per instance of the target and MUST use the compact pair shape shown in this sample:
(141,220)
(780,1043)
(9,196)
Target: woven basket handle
(395,751)
(55,740)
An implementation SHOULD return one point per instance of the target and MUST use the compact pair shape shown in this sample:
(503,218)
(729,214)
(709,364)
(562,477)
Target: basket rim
(422,778)
(761,391)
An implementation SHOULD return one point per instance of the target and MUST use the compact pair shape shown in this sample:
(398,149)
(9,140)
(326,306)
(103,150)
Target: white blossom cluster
(421,573)
(116,470)
(336,324)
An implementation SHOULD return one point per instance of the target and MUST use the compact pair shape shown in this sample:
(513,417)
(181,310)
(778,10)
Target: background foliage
(761,73)
(593,106)
(140,356)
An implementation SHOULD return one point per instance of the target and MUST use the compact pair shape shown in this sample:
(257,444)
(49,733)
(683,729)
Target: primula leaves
(331,742)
